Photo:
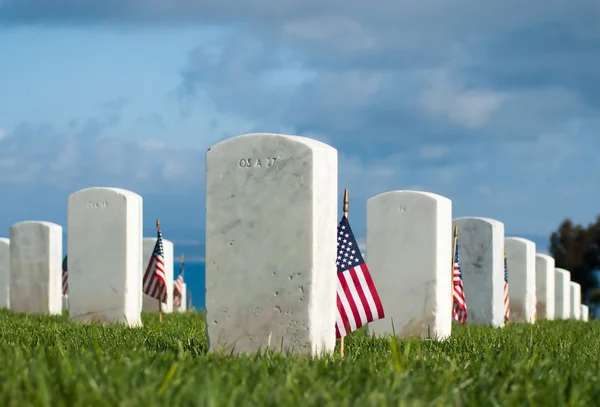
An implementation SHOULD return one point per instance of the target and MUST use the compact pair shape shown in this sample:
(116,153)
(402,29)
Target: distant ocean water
(194,278)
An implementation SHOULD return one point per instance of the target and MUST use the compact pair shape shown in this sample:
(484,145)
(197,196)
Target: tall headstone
(575,301)
(585,313)
(183,305)
(520,258)
(35,267)
(105,256)
(4,272)
(409,235)
(271,222)
(151,304)
(544,286)
(481,245)
(563,294)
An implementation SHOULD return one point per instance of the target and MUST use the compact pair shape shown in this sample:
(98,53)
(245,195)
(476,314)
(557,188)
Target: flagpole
(160,318)
(453,260)
(345,208)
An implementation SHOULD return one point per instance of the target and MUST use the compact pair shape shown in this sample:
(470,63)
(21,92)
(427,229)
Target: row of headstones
(271,243)
(31,273)
(271,217)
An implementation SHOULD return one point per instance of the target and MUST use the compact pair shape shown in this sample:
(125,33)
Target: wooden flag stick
(345,208)
(160,318)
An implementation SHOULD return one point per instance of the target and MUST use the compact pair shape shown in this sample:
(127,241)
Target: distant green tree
(576,248)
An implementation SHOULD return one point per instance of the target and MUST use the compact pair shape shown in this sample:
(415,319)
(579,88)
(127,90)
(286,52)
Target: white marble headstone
(585,313)
(183,306)
(271,222)
(36,267)
(520,258)
(575,301)
(545,286)
(4,272)
(481,244)
(151,304)
(563,294)
(409,236)
(105,256)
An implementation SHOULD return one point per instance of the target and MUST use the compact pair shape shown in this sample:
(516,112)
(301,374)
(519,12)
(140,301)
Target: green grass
(46,361)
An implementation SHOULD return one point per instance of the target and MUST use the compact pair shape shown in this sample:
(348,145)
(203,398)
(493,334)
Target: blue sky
(492,104)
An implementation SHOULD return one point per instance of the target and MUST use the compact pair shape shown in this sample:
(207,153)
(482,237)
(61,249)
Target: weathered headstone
(149,303)
(183,305)
(481,245)
(545,286)
(409,235)
(35,267)
(520,258)
(271,222)
(4,273)
(585,313)
(575,301)
(563,294)
(105,256)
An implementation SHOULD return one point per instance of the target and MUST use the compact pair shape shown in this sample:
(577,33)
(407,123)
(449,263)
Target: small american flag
(178,286)
(154,278)
(357,299)
(65,278)
(506,299)
(460,303)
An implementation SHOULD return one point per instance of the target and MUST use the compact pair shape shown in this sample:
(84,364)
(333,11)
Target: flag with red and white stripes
(357,299)
(178,287)
(460,312)
(154,278)
(506,299)
(65,278)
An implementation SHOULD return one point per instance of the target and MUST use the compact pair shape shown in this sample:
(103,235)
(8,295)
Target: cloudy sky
(495,105)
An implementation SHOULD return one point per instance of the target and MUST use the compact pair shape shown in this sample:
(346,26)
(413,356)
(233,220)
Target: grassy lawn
(46,361)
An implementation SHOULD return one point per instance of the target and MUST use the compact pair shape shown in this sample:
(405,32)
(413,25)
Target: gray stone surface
(36,267)
(575,301)
(585,313)
(151,304)
(520,258)
(481,244)
(563,294)
(545,286)
(271,222)
(105,256)
(4,272)
(409,236)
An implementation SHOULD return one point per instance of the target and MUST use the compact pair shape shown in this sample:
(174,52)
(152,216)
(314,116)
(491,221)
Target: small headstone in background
(563,294)
(481,245)
(105,256)
(35,267)
(409,236)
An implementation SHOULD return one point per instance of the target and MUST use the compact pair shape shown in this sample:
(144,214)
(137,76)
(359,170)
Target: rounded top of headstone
(119,191)
(575,285)
(544,257)
(519,240)
(491,221)
(35,223)
(312,143)
(562,271)
(410,193)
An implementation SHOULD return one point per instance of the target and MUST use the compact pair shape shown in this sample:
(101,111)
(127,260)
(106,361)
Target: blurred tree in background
(576,248)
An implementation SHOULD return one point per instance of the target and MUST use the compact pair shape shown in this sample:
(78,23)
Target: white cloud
(2,134)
